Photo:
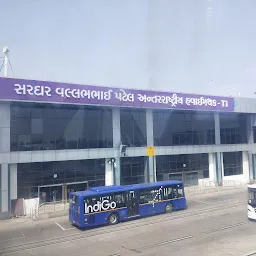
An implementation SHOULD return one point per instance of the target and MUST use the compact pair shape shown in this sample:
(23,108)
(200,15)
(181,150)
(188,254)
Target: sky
(199,46)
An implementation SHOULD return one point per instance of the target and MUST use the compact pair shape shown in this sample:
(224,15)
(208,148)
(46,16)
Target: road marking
(12,239)
(62,228)
(167,242)
(175,240)
(198,201)
(224,228)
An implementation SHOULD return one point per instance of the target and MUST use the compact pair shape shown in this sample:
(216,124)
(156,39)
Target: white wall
(212,167)
(4,188)
(13,181)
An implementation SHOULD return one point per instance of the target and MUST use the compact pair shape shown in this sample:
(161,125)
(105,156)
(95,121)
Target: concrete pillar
(212,167)
(4,188)
(5,127)
(149,123)
(116,143)
(116,127)
(118,171)
(13,181)
(109,173)
(253,169)
(219,168)
(217,127)
(150,171)
(249,129)
(218,155)
(246,171)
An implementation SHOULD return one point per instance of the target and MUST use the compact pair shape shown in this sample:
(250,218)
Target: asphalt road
(214,224)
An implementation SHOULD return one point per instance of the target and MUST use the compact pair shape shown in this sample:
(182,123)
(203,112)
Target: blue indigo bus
(112,204)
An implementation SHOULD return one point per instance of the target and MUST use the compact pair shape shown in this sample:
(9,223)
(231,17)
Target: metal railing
(48,207)
(210,186)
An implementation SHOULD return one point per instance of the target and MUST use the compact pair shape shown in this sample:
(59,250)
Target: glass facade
(189,168)
(61,127)
(174,128)
(254,134)
(56,127)
(132,170)
(32,175)
(133,127)
(233,128)
(232,163)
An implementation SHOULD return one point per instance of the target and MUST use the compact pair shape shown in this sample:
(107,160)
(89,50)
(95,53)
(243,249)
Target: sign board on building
(150,151)
(13,89)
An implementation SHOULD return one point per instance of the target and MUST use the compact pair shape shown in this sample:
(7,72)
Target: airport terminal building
(58,137)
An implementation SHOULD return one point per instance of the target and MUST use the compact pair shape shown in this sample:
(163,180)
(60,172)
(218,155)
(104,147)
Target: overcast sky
(199,46)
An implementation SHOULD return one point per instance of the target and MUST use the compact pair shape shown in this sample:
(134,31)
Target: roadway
(214,224)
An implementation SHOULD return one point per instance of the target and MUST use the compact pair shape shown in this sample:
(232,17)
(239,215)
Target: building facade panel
(177,128)
(50,148)
(52,127)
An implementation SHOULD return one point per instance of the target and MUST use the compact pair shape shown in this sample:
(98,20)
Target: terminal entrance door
(189,178)
(50,193)
(174,176)
(59,192)
(73,187)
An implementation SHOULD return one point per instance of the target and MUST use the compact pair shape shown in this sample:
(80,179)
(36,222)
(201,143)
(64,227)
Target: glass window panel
(178,164)
(182,128)
(36,126)
(37,111)
(133,127)
(20,110)
(14,142)
(232,163)
(132,170)
(62,126)
(254,134)
(20,126)
(233,128)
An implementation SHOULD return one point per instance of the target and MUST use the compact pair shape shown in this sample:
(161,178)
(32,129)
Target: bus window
(177,191)
(167,193)
(119,199)
(146,196)
(91,200)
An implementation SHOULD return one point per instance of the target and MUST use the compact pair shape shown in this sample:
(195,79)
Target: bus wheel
(168,208)
(113,219)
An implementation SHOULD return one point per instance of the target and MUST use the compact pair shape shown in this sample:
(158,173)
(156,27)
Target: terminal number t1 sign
(150,151)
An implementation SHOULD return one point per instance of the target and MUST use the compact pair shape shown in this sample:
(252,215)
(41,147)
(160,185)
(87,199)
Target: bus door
(132,204)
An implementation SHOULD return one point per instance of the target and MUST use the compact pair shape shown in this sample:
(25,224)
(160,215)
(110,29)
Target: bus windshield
(252,196)
(73,199)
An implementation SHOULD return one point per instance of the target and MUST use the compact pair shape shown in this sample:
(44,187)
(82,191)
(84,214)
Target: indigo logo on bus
(99,206)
